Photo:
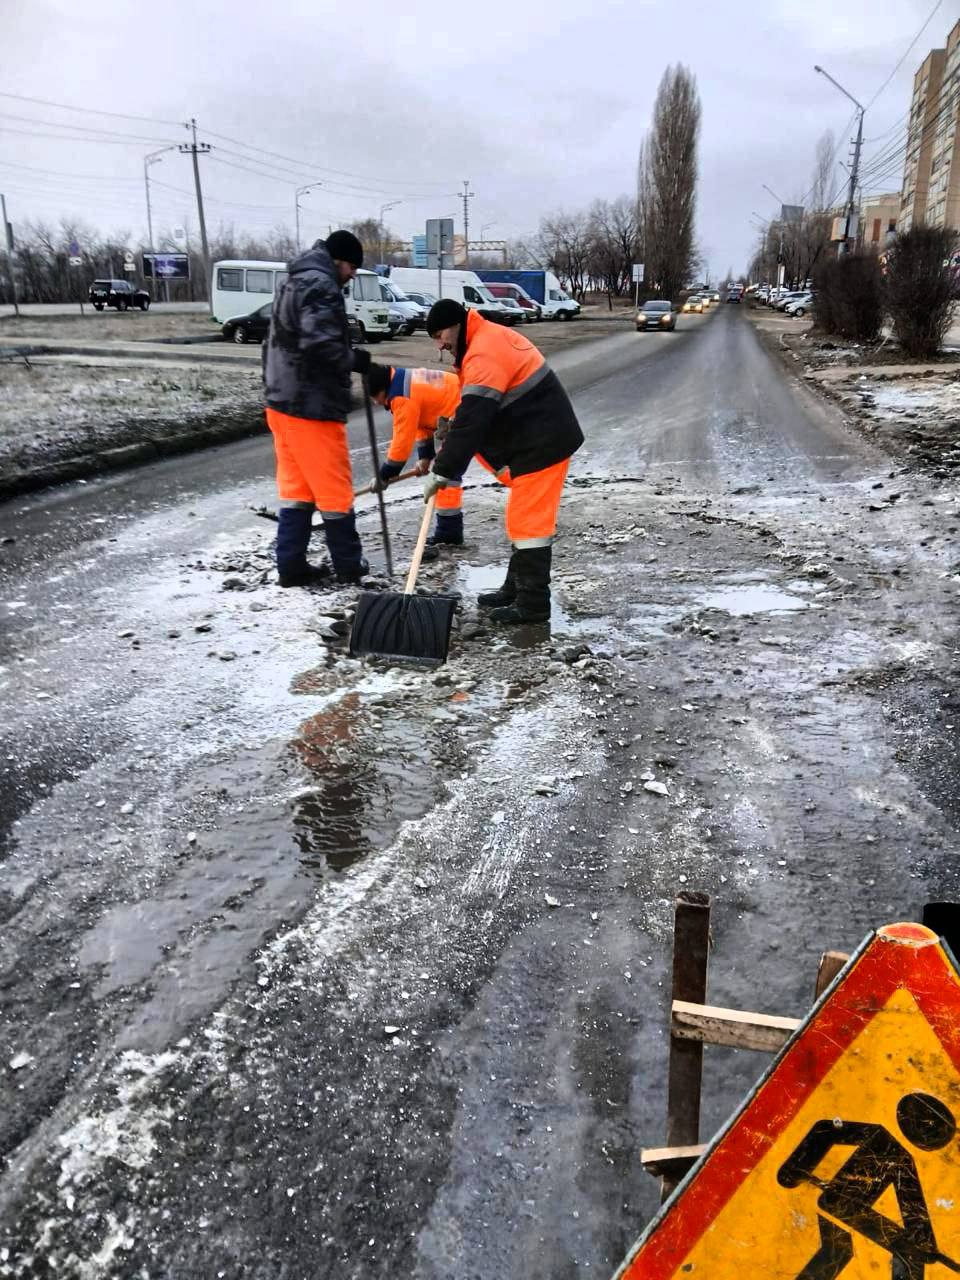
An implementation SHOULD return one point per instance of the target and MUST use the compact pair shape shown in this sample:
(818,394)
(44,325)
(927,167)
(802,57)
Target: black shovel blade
(414,628)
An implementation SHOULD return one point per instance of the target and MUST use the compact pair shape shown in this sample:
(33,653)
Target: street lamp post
(781,265)
(301,191)
(152,158)
(855,168)
(383,209)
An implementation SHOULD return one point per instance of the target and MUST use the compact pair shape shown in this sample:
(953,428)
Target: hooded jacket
(307,360)
(513,412)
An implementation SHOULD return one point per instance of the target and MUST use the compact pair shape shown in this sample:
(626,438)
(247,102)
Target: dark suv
(118,293)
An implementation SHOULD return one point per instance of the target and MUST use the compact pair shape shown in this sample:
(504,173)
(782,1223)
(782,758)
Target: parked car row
(386,306)
(794,302)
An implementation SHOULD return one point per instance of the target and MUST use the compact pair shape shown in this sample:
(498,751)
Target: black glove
(361,360)
(389,471)
(426,450)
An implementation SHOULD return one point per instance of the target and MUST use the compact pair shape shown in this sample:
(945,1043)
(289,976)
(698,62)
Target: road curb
(141,453)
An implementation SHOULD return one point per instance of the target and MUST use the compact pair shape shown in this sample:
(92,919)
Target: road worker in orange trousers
(420,400)
(515,416)
(307,367)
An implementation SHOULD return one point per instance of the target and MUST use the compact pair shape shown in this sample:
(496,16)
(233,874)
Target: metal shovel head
(413,628)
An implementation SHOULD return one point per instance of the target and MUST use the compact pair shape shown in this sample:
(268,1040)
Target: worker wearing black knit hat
(516,418)
(307,367)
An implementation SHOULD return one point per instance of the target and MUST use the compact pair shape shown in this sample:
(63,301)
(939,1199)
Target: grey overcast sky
(542,105)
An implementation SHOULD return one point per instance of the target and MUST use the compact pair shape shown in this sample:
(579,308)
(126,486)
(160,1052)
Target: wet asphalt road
(309,970)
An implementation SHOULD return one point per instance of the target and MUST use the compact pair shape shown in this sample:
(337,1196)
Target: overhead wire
(906,54)
(93,111)
(319,168)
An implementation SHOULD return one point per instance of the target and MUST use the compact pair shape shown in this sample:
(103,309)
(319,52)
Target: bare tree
(823,172)
(564,247)
(668,181)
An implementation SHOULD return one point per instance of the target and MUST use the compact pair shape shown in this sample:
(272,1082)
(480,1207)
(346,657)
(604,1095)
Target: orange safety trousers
(313,463)
(532,504)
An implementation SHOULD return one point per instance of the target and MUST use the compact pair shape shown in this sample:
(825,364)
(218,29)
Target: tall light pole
(855,168)
(152,158)
(781,265)
(383,209)
(301,191)
(466,196)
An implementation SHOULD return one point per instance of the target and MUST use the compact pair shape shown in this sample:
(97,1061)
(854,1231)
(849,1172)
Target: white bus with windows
(240,287)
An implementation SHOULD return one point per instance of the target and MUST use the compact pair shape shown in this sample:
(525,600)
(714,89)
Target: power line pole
(466,198)
(8,231)
(844,246)
(194,149)
(854,175)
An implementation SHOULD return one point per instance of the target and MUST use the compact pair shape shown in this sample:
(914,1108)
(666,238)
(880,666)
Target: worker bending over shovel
(517,419)
(421,402)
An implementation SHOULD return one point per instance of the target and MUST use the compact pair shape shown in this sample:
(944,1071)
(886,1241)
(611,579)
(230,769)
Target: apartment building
(931,176)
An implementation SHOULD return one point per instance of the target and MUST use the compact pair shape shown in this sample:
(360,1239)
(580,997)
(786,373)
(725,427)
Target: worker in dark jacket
(307,365)
(517,419)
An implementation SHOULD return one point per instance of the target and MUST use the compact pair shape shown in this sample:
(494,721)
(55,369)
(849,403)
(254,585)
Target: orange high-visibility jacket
(417,398)
(513,410)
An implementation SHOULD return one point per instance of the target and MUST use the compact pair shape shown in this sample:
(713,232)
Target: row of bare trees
(41,259)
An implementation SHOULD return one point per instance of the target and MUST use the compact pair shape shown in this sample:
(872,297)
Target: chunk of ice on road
(657,788)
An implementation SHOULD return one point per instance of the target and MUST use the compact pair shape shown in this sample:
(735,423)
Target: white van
(465,287)
(364,299)
(241,286)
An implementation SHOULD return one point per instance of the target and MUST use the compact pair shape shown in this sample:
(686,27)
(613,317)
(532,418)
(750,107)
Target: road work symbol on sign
(878,1162)
(845,1159)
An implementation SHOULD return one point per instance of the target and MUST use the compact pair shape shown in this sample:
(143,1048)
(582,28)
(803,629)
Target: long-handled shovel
(415,628)
(375,454)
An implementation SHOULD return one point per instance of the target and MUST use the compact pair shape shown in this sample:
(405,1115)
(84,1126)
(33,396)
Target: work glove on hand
(361,360)
(433,484)
(389,471)
(426,453)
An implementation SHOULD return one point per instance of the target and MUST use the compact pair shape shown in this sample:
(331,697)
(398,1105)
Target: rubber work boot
(293,537)
(531,568)
(448,531)
(505,594)
(343,543)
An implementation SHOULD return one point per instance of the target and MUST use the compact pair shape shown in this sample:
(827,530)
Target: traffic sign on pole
(844,1160)
(638,273)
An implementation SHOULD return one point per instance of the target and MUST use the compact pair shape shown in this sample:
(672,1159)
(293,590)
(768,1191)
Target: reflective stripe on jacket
(514,411)
(418,398)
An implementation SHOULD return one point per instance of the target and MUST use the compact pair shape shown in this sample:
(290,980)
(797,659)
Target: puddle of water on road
(280,816)
(367,773)
(741,599)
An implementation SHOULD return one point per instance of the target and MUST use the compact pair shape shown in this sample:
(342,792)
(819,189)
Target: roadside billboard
(166,266)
